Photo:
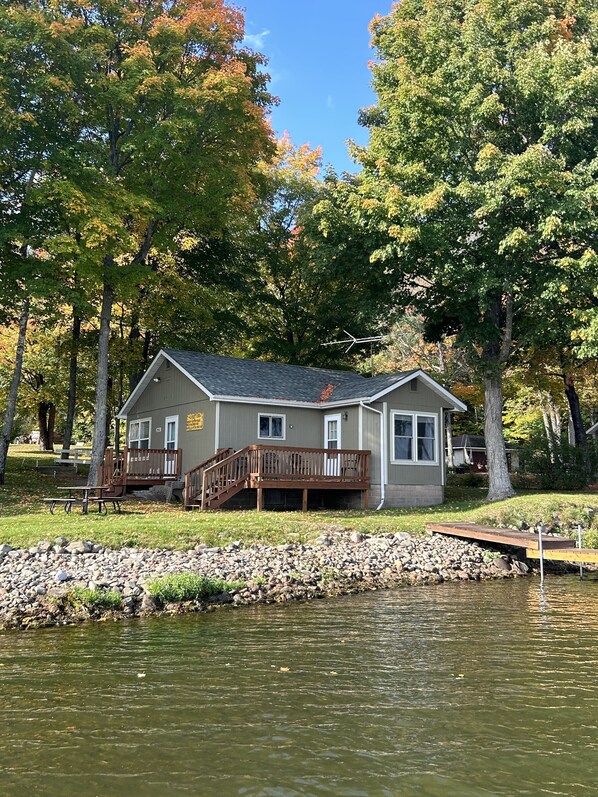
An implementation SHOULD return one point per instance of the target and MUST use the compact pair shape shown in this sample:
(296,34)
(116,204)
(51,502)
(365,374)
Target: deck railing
(286,463)
(140,464)
(194,477)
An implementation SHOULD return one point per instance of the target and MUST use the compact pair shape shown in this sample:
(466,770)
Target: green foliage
(562,513)
(93,598)
(270,272)
(559,466)
(482,167)
(181,587)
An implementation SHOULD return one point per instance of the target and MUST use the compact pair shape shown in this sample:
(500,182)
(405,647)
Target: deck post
(260,499)
(365,496)
(304,502)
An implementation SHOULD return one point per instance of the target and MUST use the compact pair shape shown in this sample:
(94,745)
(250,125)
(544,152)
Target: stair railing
(194,477)
(225,476)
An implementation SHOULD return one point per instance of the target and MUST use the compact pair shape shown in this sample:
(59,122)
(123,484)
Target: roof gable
(234,379)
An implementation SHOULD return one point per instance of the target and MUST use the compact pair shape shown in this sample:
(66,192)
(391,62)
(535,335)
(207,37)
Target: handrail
(194,477)
(224,476)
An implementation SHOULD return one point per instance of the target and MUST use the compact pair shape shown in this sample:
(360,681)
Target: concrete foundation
(404,495)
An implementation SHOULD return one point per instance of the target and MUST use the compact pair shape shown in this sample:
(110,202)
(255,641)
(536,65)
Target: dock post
(541,553)
(579,545)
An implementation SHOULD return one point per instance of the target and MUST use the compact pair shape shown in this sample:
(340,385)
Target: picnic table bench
(76,456)
(101,500)
(67,503)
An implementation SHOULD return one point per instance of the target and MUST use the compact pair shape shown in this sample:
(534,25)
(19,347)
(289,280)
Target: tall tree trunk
(71,403)
(579,431)
(555,418)
(46,415)
(499,479)
(9,415)
(496,354)
(581,440)
(101,401)
(548,430)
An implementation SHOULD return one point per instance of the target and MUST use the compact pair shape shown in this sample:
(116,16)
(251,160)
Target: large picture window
(271,427)
(414,438)
(139,433)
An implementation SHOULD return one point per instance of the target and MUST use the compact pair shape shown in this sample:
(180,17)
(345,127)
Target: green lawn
(24,520)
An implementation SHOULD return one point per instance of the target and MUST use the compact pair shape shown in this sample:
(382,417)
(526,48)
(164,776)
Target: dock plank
(518,539)
(583,556)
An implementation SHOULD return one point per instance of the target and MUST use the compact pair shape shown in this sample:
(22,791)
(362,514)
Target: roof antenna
(353,341)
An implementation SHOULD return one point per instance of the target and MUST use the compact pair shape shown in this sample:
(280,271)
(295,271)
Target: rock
(520,567)
(148,604)
(501,563)
(61,576)
(356,536)
(61,542)
(4,550)
(79,547)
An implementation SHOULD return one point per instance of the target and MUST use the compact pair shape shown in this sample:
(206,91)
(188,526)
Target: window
(139,433)
(414,438)
(271,427)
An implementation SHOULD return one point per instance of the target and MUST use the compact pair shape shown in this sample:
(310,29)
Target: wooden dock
(554,547)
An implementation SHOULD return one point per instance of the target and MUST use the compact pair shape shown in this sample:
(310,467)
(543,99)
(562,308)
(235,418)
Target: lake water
(461,689)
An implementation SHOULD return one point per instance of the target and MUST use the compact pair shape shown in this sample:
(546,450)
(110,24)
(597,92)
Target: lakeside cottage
(247,432)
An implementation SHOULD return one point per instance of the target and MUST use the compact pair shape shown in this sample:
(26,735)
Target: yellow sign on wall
(194,421)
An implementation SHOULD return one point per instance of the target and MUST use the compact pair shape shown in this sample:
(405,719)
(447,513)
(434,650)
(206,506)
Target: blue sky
(319,53)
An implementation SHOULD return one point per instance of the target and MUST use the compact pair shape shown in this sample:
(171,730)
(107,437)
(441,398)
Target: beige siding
(371,440)
(175,394)
(422,400)
(239,425)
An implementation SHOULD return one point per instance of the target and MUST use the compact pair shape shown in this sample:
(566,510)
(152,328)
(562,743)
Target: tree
(297,271)
(170,127)
(482,146)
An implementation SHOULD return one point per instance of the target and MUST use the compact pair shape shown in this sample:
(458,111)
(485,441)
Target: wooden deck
(554,547)
(262,467)
(139,467)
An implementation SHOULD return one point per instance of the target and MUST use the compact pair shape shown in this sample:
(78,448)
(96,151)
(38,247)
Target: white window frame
(140,421)
(414,418)
(174,418)
(271,415)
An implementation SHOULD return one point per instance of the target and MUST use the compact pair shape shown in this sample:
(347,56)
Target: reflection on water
(460,689)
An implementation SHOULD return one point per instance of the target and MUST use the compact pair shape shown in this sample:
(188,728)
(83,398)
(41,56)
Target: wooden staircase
(193,491)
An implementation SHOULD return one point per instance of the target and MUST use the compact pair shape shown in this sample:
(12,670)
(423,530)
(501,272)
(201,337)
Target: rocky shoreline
(36,583)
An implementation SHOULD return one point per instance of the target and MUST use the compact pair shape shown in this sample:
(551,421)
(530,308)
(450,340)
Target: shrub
(93,598)
(181,587)
(563,468)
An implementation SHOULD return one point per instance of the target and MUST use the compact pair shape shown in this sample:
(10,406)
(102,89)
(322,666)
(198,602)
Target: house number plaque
(194,421)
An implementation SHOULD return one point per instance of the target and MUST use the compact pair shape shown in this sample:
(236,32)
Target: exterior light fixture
(157,379)
(345,416)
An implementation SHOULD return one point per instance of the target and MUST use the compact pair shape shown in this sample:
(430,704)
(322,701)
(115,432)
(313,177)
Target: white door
(332,441)
(171,438)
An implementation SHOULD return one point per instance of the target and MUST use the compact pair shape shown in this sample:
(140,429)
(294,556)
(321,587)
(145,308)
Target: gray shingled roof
(230,376)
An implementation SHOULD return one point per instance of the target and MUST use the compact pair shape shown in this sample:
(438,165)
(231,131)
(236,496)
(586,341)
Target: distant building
(469,452)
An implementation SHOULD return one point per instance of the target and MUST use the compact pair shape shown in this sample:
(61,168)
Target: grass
(93,598)
(181,587)
(24,520)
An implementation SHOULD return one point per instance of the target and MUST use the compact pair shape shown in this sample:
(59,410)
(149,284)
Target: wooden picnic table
(86,490)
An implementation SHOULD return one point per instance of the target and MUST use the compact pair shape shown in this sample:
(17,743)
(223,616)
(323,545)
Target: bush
(93,598)
(563,468)
(188,587)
